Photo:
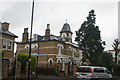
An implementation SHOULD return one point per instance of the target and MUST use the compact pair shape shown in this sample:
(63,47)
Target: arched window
(59,61)
(50,62)
(64,35)
(27,48)
(60,48)
(35,46)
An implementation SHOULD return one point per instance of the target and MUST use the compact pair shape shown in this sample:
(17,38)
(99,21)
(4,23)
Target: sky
(55,13)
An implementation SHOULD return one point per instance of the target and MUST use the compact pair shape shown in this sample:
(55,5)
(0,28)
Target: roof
(66,28)
(41,38)
(8,33)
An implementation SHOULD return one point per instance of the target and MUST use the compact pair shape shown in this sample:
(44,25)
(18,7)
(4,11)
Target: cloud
(55,13)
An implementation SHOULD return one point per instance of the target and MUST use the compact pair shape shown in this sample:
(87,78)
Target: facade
(56,52)
(7,40)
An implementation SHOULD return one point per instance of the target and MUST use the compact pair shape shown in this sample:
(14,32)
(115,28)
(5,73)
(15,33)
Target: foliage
(89,39)
(24,57)
(33,62)
(105,60)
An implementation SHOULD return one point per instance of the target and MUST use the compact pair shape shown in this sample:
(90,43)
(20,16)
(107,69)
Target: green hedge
(24,57)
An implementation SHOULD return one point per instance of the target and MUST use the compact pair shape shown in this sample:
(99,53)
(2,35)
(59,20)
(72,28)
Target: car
(92,72)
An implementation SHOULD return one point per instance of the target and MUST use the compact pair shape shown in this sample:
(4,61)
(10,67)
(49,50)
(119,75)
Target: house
(7,40)
(57,53)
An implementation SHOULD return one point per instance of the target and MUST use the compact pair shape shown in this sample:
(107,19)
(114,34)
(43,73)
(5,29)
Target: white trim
(44,54)
(48,47)
(39,48)
(59,61)
(26,46)
(50,59)
(64,35)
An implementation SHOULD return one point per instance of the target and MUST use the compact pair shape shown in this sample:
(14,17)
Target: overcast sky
(55,12)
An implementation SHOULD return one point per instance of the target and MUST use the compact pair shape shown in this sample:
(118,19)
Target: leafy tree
(116,48)
(89,39)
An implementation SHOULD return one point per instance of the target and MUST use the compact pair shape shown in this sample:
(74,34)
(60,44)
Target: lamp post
(29,61)
(15,65)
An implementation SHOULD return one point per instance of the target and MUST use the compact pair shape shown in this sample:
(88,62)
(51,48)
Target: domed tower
(66,33)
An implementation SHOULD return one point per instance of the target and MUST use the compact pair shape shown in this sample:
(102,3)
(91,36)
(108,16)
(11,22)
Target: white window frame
(8,44)
(50,59)
(64,35)
(5,44)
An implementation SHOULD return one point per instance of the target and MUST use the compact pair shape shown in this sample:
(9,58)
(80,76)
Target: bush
(116,69)
(24,57)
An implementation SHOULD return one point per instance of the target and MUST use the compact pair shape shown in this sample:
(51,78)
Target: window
(84,69)
(108,72)
(58,61)
(27,48)
(70,36)
(9,45)
(99,70)
(4,44)
(50,61)
(64,35)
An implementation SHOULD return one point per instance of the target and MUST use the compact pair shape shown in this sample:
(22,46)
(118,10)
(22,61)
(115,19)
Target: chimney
(25,35)
(47,32)
(5,26)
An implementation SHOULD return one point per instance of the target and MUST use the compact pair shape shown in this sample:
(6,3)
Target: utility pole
(29,61)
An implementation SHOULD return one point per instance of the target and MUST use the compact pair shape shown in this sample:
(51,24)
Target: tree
(89,39)
(116,48)
(105,60)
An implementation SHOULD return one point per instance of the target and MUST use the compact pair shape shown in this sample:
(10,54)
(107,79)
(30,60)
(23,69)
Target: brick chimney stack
(5,26)
(47,32)
(25,35)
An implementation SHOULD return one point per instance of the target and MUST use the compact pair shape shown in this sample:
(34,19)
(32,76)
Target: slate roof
(8,33)
(66,28)
(41,38)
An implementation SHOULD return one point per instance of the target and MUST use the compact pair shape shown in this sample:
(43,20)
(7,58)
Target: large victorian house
(56,52)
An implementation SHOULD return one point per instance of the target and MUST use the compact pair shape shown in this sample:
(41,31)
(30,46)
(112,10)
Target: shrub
(24,57)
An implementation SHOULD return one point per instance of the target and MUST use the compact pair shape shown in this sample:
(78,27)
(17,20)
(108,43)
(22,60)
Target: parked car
(92,72)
